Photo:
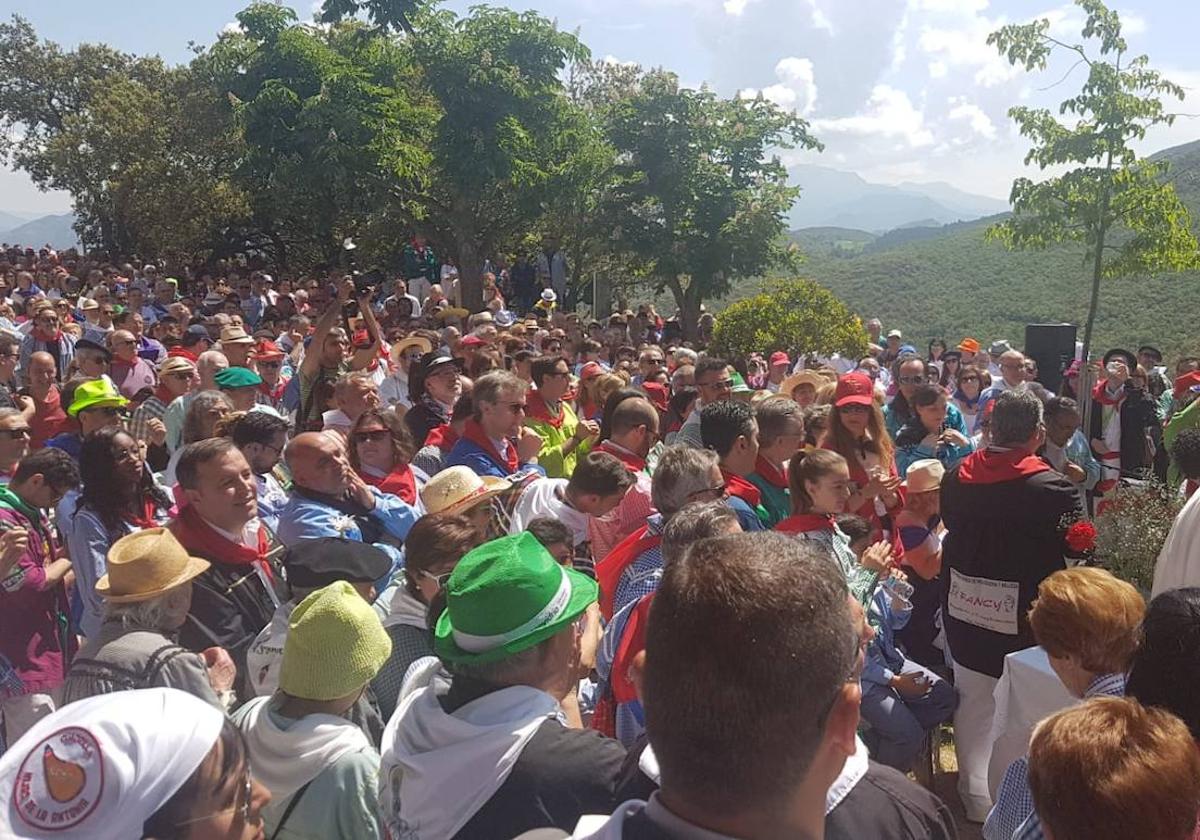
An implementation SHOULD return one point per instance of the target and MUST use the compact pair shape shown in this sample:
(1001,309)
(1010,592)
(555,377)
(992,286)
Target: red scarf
(771,474)
(632,462)
(273,394)
(476,435)
(399,482)
(536,409)
(443,437)
(164,394)
(633,642)
(41,336)
(990,466)
(805,523)
(145,519)
(622,556)
(200,539)
(743,489)
(1101,395)
(183,354)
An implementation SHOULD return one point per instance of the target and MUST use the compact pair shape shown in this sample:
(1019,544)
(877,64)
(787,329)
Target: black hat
(433,360)
(311,564)
(194,335)
(86,344)
(1125,356)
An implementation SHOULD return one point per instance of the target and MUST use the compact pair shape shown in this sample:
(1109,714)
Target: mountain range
(57,230)
(833,198)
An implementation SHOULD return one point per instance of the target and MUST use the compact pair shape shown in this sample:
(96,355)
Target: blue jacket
(467,453)
(747,516)
(954,420)
(883,660)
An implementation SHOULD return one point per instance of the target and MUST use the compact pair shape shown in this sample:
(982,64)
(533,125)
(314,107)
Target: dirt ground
(945,785)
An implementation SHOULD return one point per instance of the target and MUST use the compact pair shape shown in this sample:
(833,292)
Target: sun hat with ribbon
(924,475)
(172,364)
(235,334)
(419,341)
(102,766)
(146,564)
(457,489)
(799,378)
(96,393)
(506,596)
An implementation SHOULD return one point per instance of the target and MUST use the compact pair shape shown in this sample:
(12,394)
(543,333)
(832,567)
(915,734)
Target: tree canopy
(796,316)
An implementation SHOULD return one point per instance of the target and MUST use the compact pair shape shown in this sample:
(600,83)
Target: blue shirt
(883,659)
(643,574)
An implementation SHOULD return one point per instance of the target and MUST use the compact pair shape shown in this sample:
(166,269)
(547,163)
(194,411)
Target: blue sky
(898,90)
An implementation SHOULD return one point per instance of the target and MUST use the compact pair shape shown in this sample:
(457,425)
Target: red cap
(361,338)
(1186,382)
(267,349)
(657,393)
(780,358)
(854,389)
(589,370)
(472,340)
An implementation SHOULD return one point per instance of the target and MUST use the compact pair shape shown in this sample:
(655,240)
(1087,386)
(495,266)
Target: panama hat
(924,475)
(799,378)
(234,334)
(549,296)
(171,364)
(144,565)
(506,596)
(412,341)
(96,393)
(456,489)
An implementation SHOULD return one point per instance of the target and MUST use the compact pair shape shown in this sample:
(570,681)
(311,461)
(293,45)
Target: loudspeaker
(1052,346)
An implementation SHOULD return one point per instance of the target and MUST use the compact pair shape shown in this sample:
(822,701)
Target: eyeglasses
(910,380)
(853,408)
(244,807)
(441,580)
(718,492)
(515,408)
(374,436)
(720,385)
(13,434)
(969,379)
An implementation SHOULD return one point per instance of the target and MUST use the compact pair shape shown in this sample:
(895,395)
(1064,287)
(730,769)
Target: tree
(1117,205)
(386,14)
(797,316)
(502,140)
(700,201)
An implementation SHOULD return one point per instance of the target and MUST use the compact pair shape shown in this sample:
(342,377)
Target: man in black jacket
(1006,511)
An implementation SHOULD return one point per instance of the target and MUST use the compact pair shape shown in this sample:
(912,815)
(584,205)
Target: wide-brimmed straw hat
(146,564)
(456,489)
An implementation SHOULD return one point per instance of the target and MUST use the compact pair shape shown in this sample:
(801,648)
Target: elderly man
(133,375)
(353,394)
(176,377)
(1004,508)
(91,359)
(48,418)
(208,365)
(240,384)
(94,405)
(269,362)
(330,500)
(236,345)
(147,592)
(633,431)
(564,436)
(148,348)
(47,335)
(235,597)
(513,636)
(1011,366)
(494,442)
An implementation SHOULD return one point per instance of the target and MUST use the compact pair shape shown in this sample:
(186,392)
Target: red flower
(1081,537)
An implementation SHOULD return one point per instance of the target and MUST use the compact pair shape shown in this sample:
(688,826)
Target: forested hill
(949,282)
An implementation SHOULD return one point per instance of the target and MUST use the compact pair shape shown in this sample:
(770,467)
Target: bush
(1131,530)
(796,316)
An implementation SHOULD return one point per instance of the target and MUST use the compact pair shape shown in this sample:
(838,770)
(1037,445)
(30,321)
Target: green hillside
(955,283)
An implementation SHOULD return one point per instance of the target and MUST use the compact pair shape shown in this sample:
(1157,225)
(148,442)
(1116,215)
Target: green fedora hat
(506,596)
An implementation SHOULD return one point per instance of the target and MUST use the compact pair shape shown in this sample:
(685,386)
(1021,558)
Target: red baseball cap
(472,340)
(589,370)
(854,389)
(657,394)
(1185,383)
(780,358)
(267,349)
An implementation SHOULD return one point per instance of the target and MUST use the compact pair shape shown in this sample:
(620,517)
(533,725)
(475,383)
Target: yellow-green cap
(335,645)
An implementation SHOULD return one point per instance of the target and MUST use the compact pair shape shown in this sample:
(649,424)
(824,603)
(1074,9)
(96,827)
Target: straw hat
(924,475)
(144,565)
(799,378)
(457,489)
(411,341)
(234,334)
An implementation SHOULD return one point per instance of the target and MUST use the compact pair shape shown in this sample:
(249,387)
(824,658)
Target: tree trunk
(470,273)
(1098,261)
(688,302)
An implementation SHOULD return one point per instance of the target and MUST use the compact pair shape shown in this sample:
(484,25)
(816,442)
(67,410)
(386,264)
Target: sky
(897,90)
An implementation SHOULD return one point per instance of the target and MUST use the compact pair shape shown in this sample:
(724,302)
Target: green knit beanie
(335,645)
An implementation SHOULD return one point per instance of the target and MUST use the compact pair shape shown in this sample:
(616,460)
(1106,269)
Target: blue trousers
(899,724)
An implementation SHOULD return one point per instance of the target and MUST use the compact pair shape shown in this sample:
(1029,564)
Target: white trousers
(973,739)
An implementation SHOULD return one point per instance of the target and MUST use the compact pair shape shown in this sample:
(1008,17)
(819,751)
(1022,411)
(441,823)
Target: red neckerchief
(273,394)
(443,437)
(164,394)
(183,354)
(632,462)
(770,473)
(536,409)
(41,336)
(804,523)
(743,489)
(1100,394)
(992,466)
(399,482)
(623,554)
(475,433)
(633,641)
(198,537)
(145,519)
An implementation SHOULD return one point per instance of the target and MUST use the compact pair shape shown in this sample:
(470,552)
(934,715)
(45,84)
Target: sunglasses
(373,436)
(718,492)
(853,409)
(108,410)
(13,434)
(910,380)
(720,385)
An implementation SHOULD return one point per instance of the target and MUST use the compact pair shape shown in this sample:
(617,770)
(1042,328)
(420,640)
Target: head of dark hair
(111,498)
(402,442)
(187,470)
(926,395)
(436,541)
(165,822)
(723,422)
(550,531)
(773,416)
(1061,405)
(257,427)
(464,407)
(1166,665)
(55,466)
(677,406)
(1185,451)
(542,367)
(750,635)
(816,422)
(1016,418)
(601,474)
(854,526)
(696,521)
(708,364)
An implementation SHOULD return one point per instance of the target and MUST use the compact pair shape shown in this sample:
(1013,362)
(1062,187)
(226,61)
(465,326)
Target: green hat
(236,377)
(506,596)
(739,384)
(335,645)
(96,393)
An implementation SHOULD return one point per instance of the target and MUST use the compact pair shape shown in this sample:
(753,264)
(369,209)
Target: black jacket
(887,804)
(426,414)
(1004,539)
(1139,417)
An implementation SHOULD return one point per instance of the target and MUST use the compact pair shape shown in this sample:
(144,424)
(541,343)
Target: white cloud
(973,115)
(966,48)
(735,7)
(1133,24)
(612,59)
(817,16)
(968,7)
(888,113)
(938,69)
(231,28)
(796,89)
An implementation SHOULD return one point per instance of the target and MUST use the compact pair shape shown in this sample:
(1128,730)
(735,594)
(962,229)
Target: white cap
(101,767)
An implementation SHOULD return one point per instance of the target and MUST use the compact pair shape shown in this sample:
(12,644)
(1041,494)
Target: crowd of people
(333,557)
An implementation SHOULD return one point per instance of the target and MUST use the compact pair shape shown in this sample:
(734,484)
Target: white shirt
(545,497)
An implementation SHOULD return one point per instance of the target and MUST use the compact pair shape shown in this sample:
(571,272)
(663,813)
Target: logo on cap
(60,781)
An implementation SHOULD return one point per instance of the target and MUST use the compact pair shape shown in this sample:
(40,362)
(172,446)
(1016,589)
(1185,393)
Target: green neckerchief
(10,499)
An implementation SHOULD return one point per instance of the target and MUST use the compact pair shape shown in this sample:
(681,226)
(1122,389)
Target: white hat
(101,767)
(924,475)
(457,489)
(549,296)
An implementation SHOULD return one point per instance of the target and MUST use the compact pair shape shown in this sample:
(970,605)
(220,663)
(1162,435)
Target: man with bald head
(133,375)
(48,417)
(330,500)
(1012,378)
(208,364)
(633,430)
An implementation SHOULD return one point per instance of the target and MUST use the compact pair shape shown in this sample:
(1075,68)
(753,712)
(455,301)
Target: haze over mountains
(35,231)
